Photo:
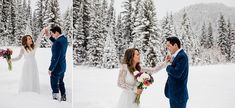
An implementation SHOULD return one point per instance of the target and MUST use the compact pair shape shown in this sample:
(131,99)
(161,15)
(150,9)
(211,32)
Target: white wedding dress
(29,81)
(128,83)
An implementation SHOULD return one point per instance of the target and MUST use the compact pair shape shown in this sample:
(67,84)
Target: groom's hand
(49,73)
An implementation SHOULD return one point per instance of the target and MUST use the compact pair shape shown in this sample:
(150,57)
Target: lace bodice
(127,81)
(29,54)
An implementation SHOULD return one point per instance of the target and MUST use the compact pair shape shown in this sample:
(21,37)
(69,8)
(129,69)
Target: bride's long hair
(24,42)
(128,59)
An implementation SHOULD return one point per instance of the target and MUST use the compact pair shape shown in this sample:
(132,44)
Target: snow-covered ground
(210,86)
(9,80)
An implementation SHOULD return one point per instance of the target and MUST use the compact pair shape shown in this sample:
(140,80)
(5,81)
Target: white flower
(136,72)
(140,79)
(145,76)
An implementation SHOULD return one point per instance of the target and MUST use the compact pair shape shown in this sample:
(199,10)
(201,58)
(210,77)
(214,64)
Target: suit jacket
(176,85)
(58,59)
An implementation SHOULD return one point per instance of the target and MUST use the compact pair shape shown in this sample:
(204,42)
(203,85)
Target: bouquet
(7,55)
(143,81)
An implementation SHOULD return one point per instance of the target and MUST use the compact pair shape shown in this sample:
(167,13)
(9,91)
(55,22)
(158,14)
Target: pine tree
(51,18)
(223,37)
(67,25)
(94,39)
(189,40)
(233,53)
(110,59)
(147,34)
(127,23)
(119,40)
(1,24)
(230,41)
(6,12)
(78,33)
(210,40)
(38,18)
(203,39)
(19,22)
(86,11)
(12,30)
(168,29)
(29,26)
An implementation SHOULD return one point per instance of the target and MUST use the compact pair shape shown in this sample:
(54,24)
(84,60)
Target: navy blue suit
(176,85)
(58,64)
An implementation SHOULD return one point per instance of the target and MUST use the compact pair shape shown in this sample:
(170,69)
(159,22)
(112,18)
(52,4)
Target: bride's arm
(122,81)
(155,69)
(19,56)
(39,39)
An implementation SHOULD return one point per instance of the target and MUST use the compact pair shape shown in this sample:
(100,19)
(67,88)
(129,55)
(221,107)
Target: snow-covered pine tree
(19,22)
(154,50)
(203,36)
(127,23)
(233,53)
(230,42)
(25,15)
(38,18)
(187,38)
(147,33)
(68,25)
(6,12)
(51,17)
(103,31)
(86,11)
(223,36)
(167,29)
(119,39)
(111,17)
(1,23)
(12,39)
(78,35)
(29,19)
(210,40)
(94,39)
(110,58)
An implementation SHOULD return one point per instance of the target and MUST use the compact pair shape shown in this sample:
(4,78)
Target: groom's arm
(177,70)
(55,56)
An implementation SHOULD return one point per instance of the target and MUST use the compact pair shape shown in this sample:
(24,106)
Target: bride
(126,78)
(29,81)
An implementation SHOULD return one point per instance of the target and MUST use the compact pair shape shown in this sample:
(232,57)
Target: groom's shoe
(63,97)
(55,96)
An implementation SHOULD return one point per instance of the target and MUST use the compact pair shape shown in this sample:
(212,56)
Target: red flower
(146,83)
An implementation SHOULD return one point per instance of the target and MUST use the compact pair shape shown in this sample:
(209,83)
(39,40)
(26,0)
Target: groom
(176,85)
(58,62)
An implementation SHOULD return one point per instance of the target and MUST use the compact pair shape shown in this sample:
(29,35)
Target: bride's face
(29,41)
(136,58)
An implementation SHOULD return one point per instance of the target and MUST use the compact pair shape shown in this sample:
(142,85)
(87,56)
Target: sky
(164,6)
(64,4)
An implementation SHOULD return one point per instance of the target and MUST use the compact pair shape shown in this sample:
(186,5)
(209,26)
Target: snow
(9,80)
(210,86)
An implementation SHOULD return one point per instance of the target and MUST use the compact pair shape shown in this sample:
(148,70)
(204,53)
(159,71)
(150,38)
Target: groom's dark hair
(174,40)
(56,29)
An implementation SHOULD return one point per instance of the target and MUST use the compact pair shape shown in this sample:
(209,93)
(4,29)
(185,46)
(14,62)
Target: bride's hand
(9,61)
(168,58)
(139,91)
(46,32)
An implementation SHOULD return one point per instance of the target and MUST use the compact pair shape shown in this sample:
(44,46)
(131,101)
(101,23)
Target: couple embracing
(176,67)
